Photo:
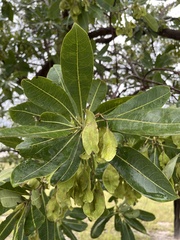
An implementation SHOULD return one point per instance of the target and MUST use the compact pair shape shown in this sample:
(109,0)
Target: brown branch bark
(169,33)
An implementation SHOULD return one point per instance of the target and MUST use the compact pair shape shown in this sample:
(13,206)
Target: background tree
(147,55)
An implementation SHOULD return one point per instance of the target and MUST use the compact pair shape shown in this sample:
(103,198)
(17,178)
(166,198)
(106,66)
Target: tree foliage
(78,133)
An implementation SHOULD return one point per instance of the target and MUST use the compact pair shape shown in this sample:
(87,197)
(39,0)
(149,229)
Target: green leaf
(134,223)
(7,226)
(77,65)
(76,213)
(29,169)
(146,216)
(151,21)
(68,232)
(97,94)
(48,230)
(143,175)
(18,232)
(70,166)
(157,122)
(126,232)
(55,75)
(100,223)
(54,10)
(34,220)
(9,199)
(153,98)
(75,225)
(26,113)
(108,106)
(47,95)
(35,132)
(7,10)
(169,168)
(106,4)
(11,142)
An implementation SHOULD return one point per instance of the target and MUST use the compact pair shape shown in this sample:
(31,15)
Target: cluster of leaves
(35,39)
(75,148)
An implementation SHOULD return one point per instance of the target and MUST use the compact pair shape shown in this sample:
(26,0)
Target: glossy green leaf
(153,98)
(70,166)
(117,223)
(7,226)
(29,169)
(76,213)
(26,113)
(157,122)
(77,65)
(169,168)
(126,232)
(99,225)
(34,220)
(143,175)
(75,225)
(48,95)
(146,216)
(54,11)
(55,75)
(68,232)
(97,94)
(134,223)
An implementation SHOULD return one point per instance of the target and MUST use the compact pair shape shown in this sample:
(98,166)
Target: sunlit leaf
(77,65)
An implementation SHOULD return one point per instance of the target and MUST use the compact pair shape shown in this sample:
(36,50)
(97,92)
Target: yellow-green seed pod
(90,134)
(110,178)
(109,145)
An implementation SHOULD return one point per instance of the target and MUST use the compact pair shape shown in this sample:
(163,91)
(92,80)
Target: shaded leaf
(100,223)
(143,175)
(11,142)
(34,220)
(7,226)
(29,169)
(70,166)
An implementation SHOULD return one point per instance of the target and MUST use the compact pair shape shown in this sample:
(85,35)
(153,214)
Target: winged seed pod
(109,145)
(90,134)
